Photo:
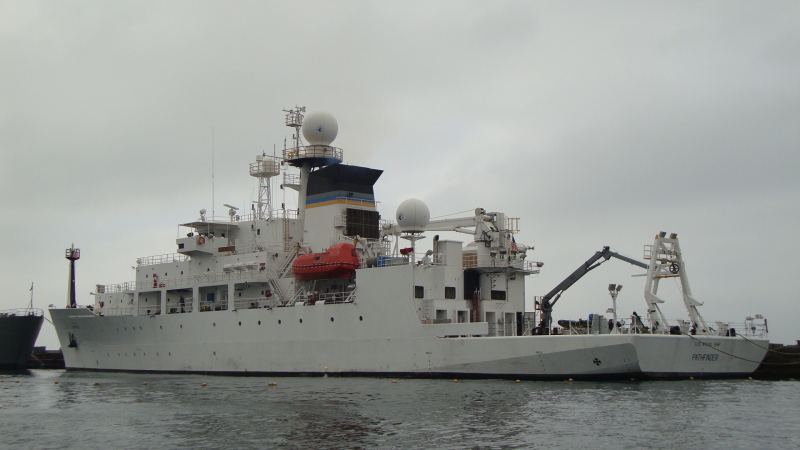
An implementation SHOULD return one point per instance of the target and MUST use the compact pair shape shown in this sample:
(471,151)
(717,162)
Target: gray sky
(595,123)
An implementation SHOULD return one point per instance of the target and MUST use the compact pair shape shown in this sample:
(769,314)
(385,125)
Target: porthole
(181,325)
(214,324)
(361,318)
(214,353)
(240,323)
(301,320)
(161,327)
(259,322)
(331,319)
(170,353)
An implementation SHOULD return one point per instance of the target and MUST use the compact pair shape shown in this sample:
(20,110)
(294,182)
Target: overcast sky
(595,123)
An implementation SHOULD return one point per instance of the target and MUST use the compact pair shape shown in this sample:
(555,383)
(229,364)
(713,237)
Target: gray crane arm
(552,297)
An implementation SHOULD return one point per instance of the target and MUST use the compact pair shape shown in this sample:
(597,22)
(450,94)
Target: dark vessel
(19,329)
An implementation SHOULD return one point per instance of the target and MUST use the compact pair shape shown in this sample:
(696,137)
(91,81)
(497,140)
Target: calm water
(237,412)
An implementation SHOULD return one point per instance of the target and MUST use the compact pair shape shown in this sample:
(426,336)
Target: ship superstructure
(331,287)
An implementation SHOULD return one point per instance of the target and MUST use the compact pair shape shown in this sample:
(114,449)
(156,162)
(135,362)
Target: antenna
(212,173)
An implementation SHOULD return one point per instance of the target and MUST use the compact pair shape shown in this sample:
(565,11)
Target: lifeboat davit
(340,261)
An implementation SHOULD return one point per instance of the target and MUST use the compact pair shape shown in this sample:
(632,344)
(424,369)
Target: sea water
(58,409)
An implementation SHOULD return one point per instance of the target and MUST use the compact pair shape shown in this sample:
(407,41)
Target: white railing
(161,259)
(312,151)
(267,166)
(204,278)
(21,312)
(255,303)
(644,326)
(470,260)
(127,286)
(221,305)
(117,311)
(327,298)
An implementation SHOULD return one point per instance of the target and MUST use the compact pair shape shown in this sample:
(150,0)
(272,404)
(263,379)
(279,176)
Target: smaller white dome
(320,128)
(413,216)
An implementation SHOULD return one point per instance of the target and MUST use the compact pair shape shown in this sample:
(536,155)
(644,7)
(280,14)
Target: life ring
(201,240)
(268,293)
(537,331)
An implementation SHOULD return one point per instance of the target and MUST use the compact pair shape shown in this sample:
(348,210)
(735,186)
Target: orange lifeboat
(340,261)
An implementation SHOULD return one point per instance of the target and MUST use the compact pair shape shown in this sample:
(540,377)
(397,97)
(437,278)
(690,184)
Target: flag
(514,248)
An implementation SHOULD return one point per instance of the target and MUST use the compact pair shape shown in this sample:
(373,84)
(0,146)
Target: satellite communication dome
(413,216)
(320,128)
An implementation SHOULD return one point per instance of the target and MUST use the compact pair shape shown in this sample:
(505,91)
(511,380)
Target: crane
(552,297)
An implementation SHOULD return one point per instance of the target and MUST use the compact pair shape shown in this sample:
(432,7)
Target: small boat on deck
(340,261)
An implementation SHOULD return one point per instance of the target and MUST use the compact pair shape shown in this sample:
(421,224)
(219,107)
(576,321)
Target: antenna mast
(73,254)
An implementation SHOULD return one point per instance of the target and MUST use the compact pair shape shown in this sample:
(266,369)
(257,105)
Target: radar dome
(320,128)
(413,215)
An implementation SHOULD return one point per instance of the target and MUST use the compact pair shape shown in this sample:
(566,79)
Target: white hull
(216,343)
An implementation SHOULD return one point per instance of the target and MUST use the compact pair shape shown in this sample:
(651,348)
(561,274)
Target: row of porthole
(143,354)
(360,318)
(165,274)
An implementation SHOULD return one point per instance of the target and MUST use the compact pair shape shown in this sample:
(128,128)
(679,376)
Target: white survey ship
(331,288)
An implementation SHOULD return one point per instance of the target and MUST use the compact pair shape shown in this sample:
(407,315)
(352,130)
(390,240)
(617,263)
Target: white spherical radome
(413,216)
(320,128)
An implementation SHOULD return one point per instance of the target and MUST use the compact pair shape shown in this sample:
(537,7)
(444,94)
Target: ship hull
(348,340)
(18,335)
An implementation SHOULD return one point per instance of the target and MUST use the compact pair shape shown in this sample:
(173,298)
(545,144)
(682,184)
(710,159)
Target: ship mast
(73,254)
(264,169)
(319,129)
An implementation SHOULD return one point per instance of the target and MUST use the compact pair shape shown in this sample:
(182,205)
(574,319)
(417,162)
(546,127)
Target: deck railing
(644,326)
(21,312)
